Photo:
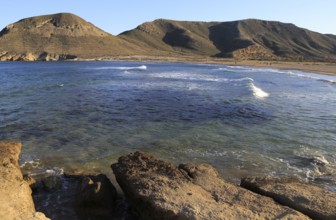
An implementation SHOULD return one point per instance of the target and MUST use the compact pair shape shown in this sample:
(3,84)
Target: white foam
(319,160)
(249,69)
(32,163)
(241,79)
(55,171)
(258,92)
(184,76)
(197,77)
(328,81)
(322,78)
(142,67)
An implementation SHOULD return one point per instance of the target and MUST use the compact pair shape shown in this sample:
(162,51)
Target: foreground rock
(308,199)
(95,195)
(160,190)
(51,183)
(15,194)
(44,56)
(78,194)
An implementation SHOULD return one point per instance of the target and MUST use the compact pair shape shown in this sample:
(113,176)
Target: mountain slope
(288,40)
(246,39)
(60,34)
(173,36)
(66,36)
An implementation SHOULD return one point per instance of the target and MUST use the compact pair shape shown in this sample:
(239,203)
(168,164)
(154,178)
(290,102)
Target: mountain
(59,36)
(67,36)
(244,39)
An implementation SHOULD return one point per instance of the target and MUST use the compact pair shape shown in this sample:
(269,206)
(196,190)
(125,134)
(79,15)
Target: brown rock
(34,185)
(52,183)
(15,201)
(29,57)
(86,194)
(311,200)
(95,195)
(160,190)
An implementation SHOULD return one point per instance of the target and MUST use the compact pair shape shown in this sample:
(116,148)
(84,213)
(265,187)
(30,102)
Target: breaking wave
(325,79)
(38,168)
(294,73)
(142,67)
(197,77)
(315,164)
(258,92)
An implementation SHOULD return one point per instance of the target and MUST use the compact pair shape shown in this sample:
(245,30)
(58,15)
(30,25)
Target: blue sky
(117,16)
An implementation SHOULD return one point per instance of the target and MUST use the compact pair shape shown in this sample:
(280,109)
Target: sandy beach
(322,68)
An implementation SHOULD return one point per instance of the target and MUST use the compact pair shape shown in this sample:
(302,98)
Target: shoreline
(325,68)
(312,67)
(152,188)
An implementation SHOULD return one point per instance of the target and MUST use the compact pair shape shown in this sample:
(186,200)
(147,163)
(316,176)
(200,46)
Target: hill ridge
(59,36)
(67,35)
(243,39)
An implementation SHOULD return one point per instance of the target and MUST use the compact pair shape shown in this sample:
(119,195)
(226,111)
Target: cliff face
(66,36)
(15,201)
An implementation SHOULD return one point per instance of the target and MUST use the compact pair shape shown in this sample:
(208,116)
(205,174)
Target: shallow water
(243,120)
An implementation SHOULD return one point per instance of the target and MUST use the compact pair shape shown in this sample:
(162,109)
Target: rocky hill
(59,36)
(67,36)
(245,39)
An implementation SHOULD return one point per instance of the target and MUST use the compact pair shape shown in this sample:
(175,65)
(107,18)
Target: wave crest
(142,67)
(258,92)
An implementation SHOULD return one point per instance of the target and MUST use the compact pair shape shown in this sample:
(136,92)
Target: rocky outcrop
(15,201)
(254,52)
(52,183)
(95,194)
(55,57)
(161,190)
(77,194)
(157,190)
(10,56)
(306,198)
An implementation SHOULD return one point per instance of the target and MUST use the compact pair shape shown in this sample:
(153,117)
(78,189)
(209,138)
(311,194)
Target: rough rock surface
(15,194)
(78,195)
(44,56)
(95,194)
(160,190)
(311,200)
(51,183)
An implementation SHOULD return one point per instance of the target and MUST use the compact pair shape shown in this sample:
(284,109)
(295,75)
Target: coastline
(324,68)
(153,189)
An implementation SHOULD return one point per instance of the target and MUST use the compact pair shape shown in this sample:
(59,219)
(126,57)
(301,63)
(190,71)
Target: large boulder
(311,200)
(161,190)
(16,200)
(77,194)
(52,183)
(95,194)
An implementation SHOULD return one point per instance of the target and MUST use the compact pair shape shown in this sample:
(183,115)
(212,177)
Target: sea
(245,121)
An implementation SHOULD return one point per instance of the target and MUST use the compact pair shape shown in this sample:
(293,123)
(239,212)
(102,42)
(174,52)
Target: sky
(116,16)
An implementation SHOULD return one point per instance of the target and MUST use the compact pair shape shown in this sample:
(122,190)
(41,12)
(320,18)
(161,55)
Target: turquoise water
(243,120)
